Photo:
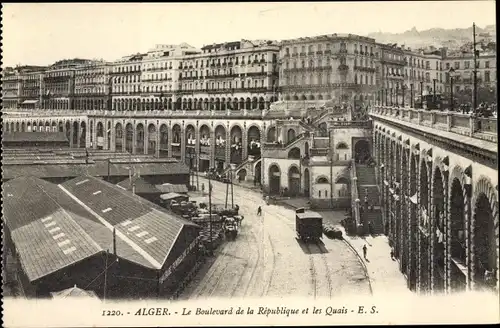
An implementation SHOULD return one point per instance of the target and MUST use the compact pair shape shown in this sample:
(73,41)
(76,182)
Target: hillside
(437,37)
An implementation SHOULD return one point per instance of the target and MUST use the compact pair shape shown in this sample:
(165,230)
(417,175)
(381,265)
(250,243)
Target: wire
(100,274)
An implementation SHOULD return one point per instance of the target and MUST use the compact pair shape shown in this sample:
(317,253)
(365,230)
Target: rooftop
(54,226)
(141,186)
(34,137)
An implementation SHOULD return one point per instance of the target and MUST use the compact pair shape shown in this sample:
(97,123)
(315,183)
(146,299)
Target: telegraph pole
(474,94)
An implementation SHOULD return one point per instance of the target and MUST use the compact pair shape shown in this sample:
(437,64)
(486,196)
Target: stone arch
(485,235)
(205,135)
(118,137)
(82,135)
(293,180)
(253,141)
(294,153)
(164,140)
(271,134)
(425,262)
(458,234)
(60,126)
(152,136)
(322,179)
(236,134)
(291,135)
(176,135)
(307,182)
(342,145)
(129,137)
(274,179)
(439,209)
(139,141)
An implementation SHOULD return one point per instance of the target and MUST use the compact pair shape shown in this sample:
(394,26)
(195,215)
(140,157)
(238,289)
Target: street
(267,259)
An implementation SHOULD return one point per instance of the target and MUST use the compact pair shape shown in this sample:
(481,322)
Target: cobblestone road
(267,259)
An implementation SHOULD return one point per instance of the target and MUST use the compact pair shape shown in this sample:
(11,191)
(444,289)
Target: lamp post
(403,87)
(452,102)
(411,95)
(434,91)
(422,94)
(397,95)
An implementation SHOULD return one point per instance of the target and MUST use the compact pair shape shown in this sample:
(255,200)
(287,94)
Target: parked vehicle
(308,225)
(230,228)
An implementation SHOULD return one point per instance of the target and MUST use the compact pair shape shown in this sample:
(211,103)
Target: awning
(30,102)
(171,195)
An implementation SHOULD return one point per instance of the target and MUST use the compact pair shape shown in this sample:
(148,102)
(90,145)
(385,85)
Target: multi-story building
(31,82)
(233,75)
(92,87)
(160,75)
(125,78)
(462,70)
(338,67)
(58,84)
(11,85)
(392,65)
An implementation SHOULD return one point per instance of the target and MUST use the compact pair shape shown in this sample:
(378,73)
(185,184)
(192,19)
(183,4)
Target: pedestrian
(364,251)
(203,188)
(259,211)
(392,254)
(370,228)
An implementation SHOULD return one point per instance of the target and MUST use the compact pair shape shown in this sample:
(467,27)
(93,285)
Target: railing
(274,145)
(133,114)
(355,197)
(464,124)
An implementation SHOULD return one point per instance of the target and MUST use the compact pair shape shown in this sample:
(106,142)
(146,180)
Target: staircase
(368,190)
(366,175)
(247,165)
(295,140)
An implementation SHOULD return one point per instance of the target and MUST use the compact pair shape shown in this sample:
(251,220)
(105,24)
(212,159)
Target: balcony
(343,67)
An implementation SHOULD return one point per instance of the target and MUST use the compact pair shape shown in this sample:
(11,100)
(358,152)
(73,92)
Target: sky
(40,34)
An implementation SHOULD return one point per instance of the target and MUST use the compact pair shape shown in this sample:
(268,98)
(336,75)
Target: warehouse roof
(145,226)
(141,185)
(42,223)
(56,226)
(99,168)
(169,188)
(35,137)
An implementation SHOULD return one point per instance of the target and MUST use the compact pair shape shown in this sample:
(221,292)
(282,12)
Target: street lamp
(434,90)
(397,95)
(452,102)
(422,94)
(411,95)
(403,87)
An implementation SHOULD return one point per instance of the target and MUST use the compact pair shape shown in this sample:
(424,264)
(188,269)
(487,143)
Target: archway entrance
(293,181)
(307,182)
(258,173)
(274,180)
(485,249)
(362,151)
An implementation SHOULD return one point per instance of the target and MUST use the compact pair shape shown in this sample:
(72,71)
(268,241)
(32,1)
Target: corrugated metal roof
(35,136)
(43,227)
(131,215)
(169,188)
(56,226)
(99,168)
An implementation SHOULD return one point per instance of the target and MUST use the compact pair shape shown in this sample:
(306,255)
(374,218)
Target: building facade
(92,86)
(338,67)
(11,87)
(233,75)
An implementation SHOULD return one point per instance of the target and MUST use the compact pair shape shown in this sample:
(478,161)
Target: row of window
(94,80)
(319,47)
(90,72)
(225,85)
(467,64)
(94,90)
(226,60)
